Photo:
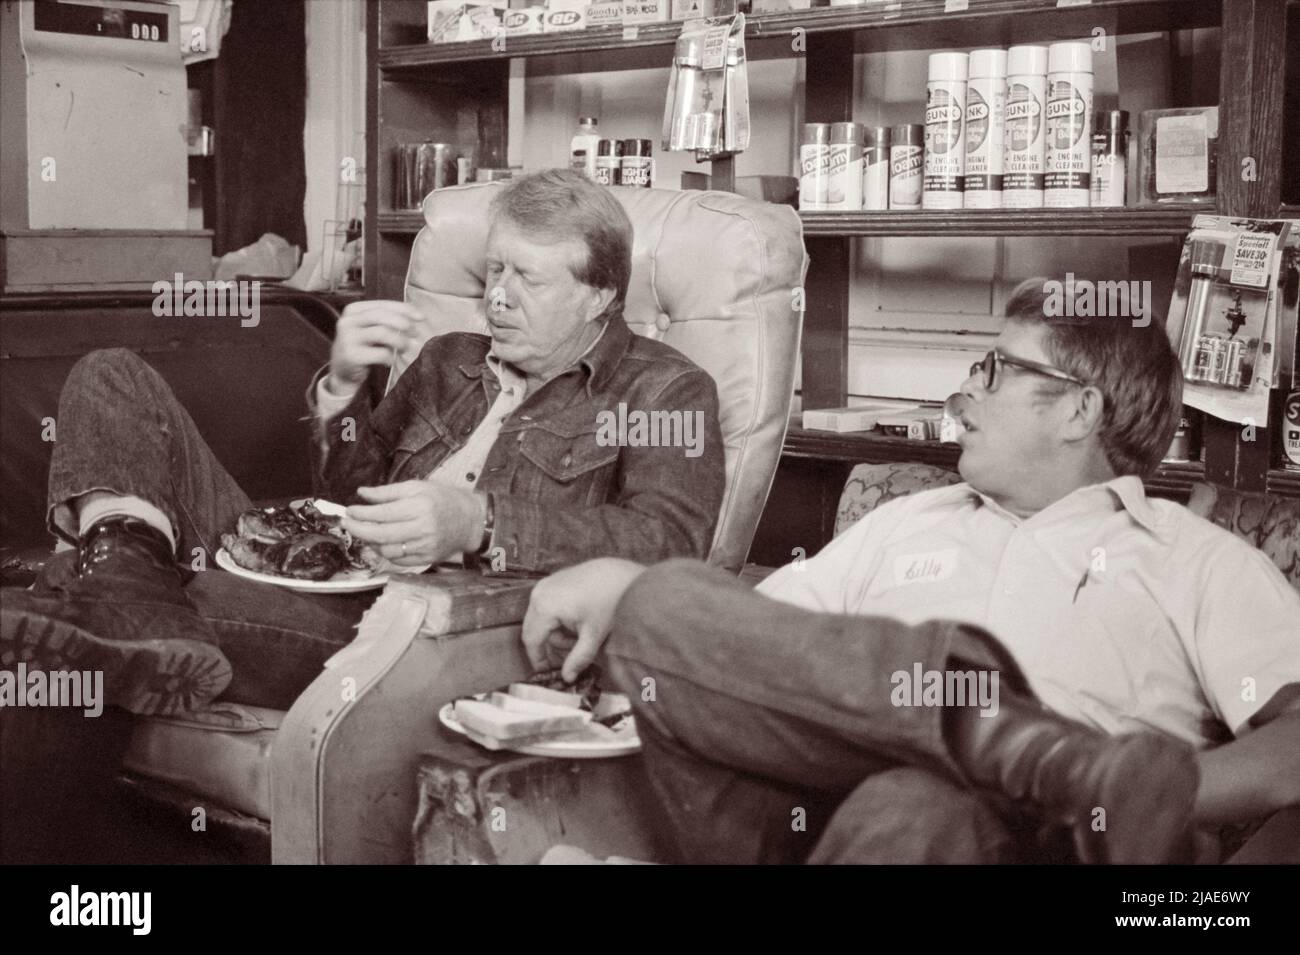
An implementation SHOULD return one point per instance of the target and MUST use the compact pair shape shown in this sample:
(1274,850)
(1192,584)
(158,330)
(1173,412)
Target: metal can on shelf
(844,168)
(637,166)
(945,131)
(814,161)
(875,168)
(906,164)
(609,162)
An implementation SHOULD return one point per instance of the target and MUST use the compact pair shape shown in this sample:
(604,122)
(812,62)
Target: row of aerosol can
(847,166)
(1003,128)
(1009,128)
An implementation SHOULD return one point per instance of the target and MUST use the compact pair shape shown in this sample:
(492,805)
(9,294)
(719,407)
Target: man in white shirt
(1145,632)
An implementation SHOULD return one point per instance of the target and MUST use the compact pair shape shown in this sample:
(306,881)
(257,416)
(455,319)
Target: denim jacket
(563,491)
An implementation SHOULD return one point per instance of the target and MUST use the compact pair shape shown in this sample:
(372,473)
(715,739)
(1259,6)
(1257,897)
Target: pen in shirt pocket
(1083,582)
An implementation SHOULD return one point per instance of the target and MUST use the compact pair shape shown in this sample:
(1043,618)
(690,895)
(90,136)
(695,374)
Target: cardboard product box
(692,9)
(564,15)
(605,13)
(779,6)
(646,11)
(453,21)
(842,420)
(524,20)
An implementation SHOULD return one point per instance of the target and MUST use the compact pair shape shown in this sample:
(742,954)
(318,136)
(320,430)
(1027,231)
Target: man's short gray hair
(562,204)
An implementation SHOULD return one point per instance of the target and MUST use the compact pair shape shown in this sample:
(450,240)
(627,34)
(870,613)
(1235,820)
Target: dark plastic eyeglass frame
(988,366)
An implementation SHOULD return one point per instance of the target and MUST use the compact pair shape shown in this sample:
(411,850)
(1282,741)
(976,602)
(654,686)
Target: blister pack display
(707,106)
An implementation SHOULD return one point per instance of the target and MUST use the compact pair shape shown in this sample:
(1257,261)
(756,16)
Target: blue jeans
(121,430)
(769,734)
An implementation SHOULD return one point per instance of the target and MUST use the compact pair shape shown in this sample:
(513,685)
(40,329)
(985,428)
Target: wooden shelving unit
(999,222)
(995,222)
(457,92)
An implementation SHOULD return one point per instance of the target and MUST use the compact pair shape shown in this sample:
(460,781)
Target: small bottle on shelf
(586,140)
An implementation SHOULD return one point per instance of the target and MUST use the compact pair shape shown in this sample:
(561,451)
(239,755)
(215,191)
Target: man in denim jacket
(501,448)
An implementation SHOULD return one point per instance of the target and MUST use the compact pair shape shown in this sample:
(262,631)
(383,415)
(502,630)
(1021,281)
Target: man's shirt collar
(598,361)
(1124,492)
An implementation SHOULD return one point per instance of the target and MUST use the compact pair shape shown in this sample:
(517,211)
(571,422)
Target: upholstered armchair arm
(345,758)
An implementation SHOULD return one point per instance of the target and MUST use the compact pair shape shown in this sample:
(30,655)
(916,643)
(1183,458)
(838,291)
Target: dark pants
(122,430)
(770,735)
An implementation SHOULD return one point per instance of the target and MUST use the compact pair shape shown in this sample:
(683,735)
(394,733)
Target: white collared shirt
(1126,613)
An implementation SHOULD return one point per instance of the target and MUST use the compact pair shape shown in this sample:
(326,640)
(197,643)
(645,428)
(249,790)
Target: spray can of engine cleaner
(945,129)
(1067,183)
(986,98)
(1024,146)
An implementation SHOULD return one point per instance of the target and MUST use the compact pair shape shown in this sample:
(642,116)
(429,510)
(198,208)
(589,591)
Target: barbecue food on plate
(298,542)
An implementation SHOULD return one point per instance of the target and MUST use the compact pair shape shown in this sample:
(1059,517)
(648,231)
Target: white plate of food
(302,547)
(609,729)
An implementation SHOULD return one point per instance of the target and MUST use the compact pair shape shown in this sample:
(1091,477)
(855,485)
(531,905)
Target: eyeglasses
(991,370)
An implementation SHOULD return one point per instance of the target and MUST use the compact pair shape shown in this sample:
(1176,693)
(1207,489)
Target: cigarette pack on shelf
(919,423)
(707,105)
(457,20)
(1179,154)
(564,15)
(1223,316)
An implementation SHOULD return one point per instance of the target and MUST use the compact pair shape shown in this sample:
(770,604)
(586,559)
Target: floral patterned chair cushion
(1270,523)
(870,485)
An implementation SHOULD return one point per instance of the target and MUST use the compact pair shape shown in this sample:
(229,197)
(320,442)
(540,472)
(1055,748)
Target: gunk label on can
(945,145)
(984,145)
(1022,174)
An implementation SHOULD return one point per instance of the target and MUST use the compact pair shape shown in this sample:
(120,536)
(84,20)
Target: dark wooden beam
(828,98)
(1251,91)
(825,359)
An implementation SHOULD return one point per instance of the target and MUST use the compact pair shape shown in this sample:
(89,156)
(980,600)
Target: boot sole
(163,677)
(1149,793)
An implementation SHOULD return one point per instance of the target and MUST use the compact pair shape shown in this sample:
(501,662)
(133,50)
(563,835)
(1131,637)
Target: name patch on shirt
(927,568)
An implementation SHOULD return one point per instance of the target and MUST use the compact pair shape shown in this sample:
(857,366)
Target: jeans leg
(757,689)
(907,815)
(276,640)
(121,429)
(716,815)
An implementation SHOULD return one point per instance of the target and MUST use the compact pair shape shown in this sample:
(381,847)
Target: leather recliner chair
(713,275)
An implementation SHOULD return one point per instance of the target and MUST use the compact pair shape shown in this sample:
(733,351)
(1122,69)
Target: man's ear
(1085,413)
(598,300)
